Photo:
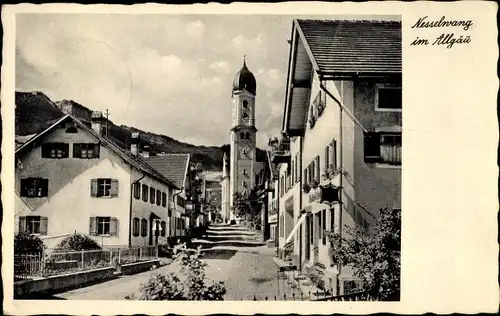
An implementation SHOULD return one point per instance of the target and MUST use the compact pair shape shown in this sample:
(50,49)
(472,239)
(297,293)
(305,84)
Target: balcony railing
(280,149)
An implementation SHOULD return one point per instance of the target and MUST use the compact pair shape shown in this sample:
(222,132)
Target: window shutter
(43,225)
(24,188)
(45,187)
(66,150)
(333,157)
(96,150)
(372,147)
(137,188)
(163,228)
(93,187)
(327,157)
(44,151)
(324,227)
(320,224)
(113,226)
(77,151)
(114,188)
(318,169)
(22,224)
(93,226)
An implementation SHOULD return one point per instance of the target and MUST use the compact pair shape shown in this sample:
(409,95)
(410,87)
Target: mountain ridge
(35,111)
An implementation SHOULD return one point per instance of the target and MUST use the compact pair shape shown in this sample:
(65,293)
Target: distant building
(70,178)
(339,158)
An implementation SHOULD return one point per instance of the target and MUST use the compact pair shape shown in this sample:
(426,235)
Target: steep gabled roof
(172,166)
(134,161)
(340,46)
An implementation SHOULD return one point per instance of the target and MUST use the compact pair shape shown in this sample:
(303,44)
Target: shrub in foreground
(190,285)
(25,243)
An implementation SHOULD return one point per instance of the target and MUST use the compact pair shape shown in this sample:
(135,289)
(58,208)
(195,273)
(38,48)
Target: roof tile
(171,166)
(341,46)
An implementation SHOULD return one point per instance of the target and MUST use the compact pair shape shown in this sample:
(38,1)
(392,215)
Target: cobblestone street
(245,274)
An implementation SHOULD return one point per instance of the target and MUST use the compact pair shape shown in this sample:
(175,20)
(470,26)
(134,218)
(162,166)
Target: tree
(190,285)
(375,256)
(246,205)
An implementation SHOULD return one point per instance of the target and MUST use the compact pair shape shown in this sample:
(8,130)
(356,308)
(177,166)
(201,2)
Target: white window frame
(31,221)
(102,221)
(385,86)
(103,183)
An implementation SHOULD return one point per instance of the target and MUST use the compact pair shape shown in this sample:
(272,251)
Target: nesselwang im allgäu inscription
(445,39)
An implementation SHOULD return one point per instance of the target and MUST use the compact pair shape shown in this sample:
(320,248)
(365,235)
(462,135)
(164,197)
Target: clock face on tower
(245,152)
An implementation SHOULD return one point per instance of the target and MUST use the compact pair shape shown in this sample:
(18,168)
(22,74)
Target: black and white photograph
(209,157)
(239,153)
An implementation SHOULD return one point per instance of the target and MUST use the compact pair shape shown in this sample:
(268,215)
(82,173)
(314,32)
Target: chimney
(134,143)
(145,151)
(96,120)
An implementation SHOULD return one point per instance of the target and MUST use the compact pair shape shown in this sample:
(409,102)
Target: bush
(192,286)
(375,257)
(77,242)
(25,243)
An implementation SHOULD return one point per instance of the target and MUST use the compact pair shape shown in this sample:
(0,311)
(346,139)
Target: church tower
(242,133)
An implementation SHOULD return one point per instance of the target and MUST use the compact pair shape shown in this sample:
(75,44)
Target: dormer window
(388,97)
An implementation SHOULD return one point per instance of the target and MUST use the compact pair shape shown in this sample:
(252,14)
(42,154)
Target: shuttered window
(372,147)
(144,227)
(33,224)
(158,197)
(104,187)
(152,192)
(135,227)
(103,226)
(164,199)
(145,192)
(137,190)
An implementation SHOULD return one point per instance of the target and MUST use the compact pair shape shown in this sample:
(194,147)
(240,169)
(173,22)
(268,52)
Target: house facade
(342,119)
(69,178)
(175,166)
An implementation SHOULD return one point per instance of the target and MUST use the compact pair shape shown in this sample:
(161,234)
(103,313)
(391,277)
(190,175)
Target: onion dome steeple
(245,80)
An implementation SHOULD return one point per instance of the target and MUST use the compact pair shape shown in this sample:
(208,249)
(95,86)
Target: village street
(245,274)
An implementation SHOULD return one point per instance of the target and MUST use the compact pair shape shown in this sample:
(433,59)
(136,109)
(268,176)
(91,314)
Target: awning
(295,228)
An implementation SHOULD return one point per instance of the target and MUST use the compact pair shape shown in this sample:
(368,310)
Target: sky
(166,74)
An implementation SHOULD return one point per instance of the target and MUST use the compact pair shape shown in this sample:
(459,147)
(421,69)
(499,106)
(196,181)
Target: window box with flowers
(332,172)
